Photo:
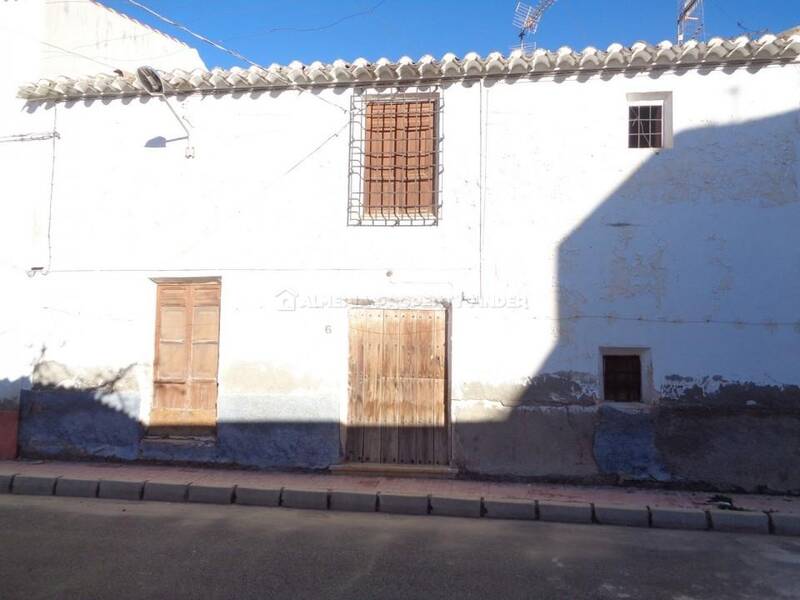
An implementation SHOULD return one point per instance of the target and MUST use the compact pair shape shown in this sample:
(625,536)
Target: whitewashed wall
(44,39)
(49,39)
(582,226)
(555,240)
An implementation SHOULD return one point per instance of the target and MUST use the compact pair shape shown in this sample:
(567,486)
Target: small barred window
(645,126)
(622,378)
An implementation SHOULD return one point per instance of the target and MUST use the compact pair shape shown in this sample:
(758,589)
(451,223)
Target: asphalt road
(72,548)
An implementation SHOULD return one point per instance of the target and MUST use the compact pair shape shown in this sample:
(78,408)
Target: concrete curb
(510,509)
(120,490)
(77,488)
(165,492)
(258,496)
(456,507)
(354,501)
(309,499)
(562,512)
(679,518)
(739,521)
(210,494)
(408,504)
(403,504)
(785,524)
(33,486)
(5,483)
(626,516)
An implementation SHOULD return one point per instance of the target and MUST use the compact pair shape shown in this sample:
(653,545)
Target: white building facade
(45,39)
(576,266)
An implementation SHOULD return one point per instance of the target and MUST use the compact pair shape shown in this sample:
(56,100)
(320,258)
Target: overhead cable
(202,38)
(330,25)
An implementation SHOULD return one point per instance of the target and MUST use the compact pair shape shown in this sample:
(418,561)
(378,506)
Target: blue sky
(268,31)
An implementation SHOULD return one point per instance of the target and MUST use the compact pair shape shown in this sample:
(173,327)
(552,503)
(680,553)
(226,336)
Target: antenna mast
(691,20)
(526,20)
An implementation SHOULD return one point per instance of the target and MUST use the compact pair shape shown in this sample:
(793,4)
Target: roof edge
(639,56)
(142,24)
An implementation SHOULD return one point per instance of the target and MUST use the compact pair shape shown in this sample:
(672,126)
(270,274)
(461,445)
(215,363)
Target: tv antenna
(691,20)
(153,84)
(526,20)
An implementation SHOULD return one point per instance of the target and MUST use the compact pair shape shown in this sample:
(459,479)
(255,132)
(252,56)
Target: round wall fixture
(150,80)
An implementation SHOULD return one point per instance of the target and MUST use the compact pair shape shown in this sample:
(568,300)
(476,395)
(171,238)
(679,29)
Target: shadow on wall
(94,413)
(686,259)
(677,237)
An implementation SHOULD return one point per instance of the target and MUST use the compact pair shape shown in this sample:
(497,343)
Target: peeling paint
(755,451)
(49,374)
(540,442)
(716,392)
(549,389)
(504,394)
(73,424)
(625,445)
(66,423)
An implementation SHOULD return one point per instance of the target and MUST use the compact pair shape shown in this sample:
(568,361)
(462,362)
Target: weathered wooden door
(397,382)
(187,355)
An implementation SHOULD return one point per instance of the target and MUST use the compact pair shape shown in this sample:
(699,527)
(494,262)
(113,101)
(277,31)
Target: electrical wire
(483,135)
(317,149)
(52,190)
(255,270)
(185,29)
(332,24)
(78,54)
(83,56)
(28,137)
(216,45)
(436,302)
(152,31)
(753,33)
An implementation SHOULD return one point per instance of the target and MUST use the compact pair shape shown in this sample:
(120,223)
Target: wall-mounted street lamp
(153,84)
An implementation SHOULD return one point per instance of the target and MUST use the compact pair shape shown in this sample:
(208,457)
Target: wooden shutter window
(187,358)
(400,159)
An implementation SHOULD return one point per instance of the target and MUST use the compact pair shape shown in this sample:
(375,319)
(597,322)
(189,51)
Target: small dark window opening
(645,126)
(622,378)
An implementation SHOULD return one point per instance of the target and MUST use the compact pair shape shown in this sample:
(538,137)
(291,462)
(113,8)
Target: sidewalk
(546,502)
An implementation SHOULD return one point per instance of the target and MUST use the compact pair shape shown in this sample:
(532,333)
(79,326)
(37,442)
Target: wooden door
(397,387)
(187,356)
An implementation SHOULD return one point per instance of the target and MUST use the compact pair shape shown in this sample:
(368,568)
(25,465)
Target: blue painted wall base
(85,424)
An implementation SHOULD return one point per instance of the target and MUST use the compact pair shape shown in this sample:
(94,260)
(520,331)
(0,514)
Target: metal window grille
(622,378)
(645,126)
(395,159)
